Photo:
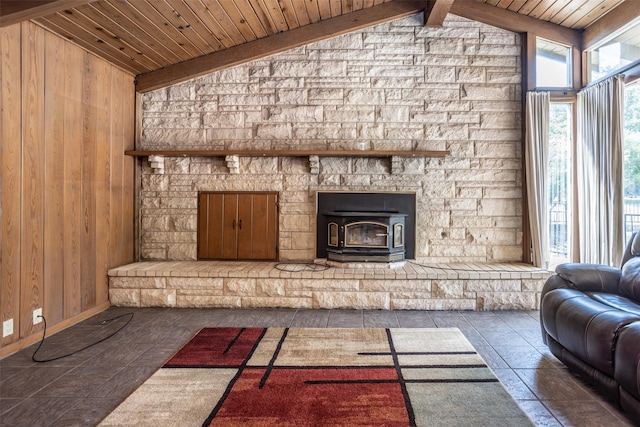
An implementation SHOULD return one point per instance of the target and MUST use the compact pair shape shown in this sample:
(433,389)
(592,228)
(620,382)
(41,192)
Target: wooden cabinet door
(210,225)
(240,226)
(257,219)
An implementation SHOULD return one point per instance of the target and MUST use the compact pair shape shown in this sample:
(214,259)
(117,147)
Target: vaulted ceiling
(164,41)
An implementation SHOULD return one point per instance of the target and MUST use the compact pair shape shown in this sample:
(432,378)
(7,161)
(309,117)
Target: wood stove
(360,236)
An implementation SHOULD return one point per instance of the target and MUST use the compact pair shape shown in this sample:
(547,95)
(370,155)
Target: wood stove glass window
(398,235)
(366,234)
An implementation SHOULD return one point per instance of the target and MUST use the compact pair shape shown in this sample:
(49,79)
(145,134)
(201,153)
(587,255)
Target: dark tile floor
(82,389)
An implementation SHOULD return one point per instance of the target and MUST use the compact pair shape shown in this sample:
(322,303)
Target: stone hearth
(474,286)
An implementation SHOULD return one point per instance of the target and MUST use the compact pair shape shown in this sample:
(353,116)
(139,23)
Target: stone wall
(396,86)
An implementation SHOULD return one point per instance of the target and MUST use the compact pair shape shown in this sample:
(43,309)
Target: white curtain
(600,175)
(537,165)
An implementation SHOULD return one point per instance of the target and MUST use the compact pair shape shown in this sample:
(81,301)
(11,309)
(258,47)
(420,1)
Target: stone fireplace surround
(396,86)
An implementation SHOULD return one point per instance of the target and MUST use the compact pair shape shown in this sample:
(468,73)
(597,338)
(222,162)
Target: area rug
(322,377)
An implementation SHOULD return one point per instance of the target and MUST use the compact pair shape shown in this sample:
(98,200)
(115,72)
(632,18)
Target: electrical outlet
(7,328)
(37,316)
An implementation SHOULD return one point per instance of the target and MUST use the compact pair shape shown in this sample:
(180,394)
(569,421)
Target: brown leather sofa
(590,318)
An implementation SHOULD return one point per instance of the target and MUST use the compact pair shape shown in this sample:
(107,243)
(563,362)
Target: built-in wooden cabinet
(238,226)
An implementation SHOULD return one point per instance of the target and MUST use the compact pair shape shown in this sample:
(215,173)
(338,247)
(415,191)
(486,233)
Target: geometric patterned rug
(320,377)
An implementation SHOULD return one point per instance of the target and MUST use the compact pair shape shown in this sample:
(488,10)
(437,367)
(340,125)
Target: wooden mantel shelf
(285,153)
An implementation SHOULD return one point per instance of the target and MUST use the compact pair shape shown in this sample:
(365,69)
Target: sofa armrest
(589,277)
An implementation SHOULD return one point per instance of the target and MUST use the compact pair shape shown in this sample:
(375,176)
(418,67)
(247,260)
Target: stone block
(506,253)
(154,223)
(364,96)
(273,131)
(308,68)
(213,134)
(183,223)
(445,46)
(492,236)
(315,285)
(356,181)
(441,74)
(405,131)
(304,240)
(181,92)
(330,131)
(325,94)
(352,300)
(295,223)
(447,289)
(493,285)
(138,282)
(259,165)
(239,287)
(508,301)
(183,252)
(176,165)
(296,255)
(182,283)
(223,119)
(448,131)
(345,115)
(156,95)
(293,114)
(270,288)
(334,165)
(153,253)
(534,285)
(124,297)
(396,286)
(392,114)
(155,182)
(491,207)
(157,298)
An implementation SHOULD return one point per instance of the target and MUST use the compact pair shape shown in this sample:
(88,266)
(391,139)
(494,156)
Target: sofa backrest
(632,249)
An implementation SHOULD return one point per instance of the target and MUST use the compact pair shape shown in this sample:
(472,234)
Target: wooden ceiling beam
(619,17)
(14,11)
(436,11)
(276,43)
(513,21)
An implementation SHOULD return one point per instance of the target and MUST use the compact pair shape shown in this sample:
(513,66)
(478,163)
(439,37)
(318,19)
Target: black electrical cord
(104,322)
(298,267)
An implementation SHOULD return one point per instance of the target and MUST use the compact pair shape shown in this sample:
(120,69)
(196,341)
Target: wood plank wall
(67,200)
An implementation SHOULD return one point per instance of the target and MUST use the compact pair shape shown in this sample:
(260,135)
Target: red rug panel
(360,396)
(217,347)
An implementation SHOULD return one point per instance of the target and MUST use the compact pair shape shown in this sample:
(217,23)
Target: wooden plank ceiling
(145,37)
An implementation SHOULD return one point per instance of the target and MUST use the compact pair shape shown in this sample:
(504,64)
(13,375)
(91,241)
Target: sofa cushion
(616,301)
(629,285)
(585,327)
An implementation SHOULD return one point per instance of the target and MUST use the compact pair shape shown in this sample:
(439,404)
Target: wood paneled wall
(66,202)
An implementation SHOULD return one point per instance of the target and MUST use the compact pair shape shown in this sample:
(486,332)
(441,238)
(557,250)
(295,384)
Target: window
(631,141)
(560,194)
(553,64)
(615,54)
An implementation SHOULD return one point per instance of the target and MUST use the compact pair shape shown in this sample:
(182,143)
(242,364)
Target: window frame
(571,75)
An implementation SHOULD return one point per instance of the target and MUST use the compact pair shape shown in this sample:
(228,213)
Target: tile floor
(82,389)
